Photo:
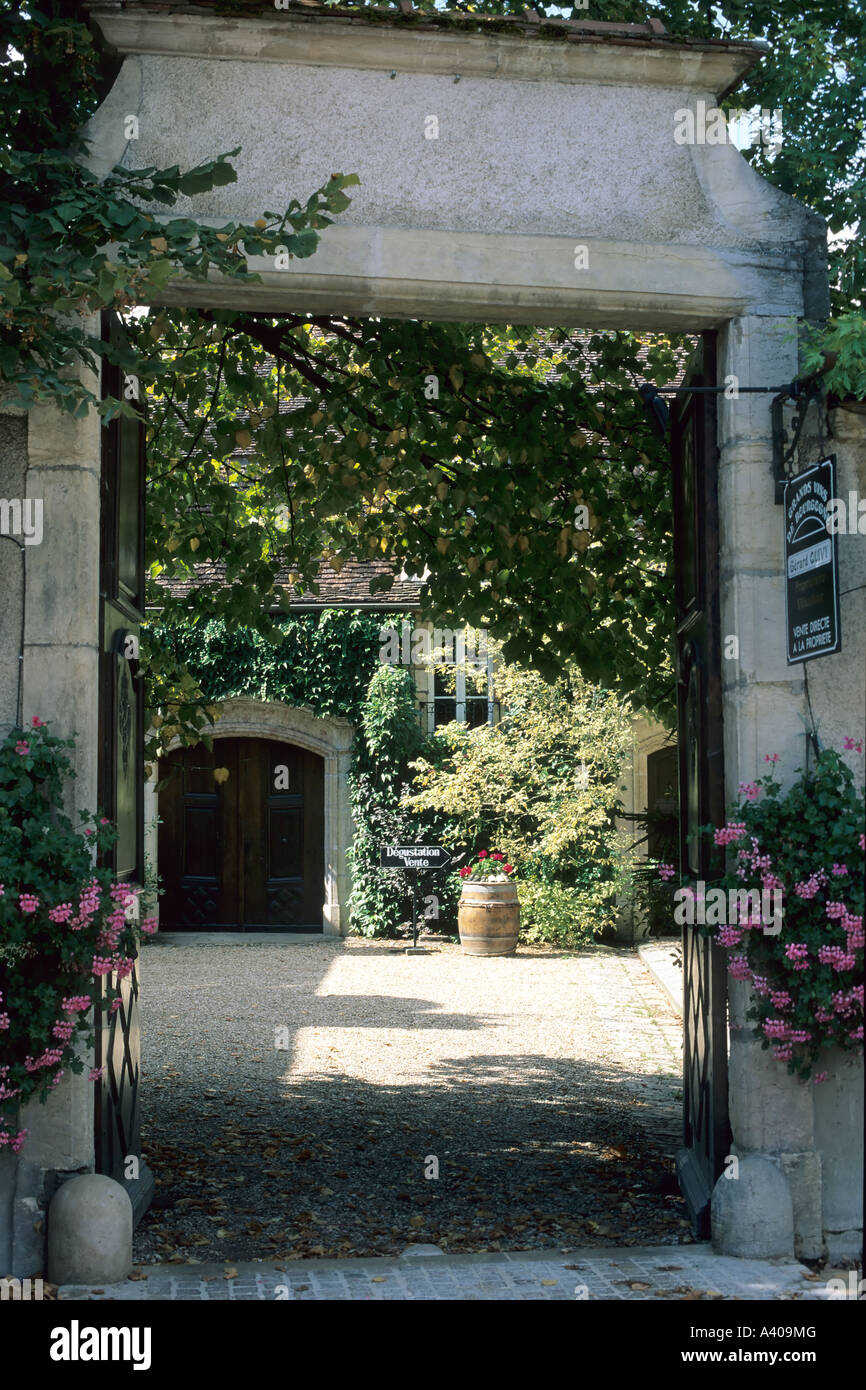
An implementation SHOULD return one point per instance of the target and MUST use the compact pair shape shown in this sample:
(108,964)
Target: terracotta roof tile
(348,589)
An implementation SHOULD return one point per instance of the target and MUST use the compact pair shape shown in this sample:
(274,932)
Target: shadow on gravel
(530,1153)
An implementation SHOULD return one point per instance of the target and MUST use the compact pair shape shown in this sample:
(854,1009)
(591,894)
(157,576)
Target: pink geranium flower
(734,830)
(797,953)
(76,1003)
(15,1142)
(739,968)
(22,748)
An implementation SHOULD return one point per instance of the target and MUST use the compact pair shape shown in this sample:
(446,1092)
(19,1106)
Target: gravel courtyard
(297,1093)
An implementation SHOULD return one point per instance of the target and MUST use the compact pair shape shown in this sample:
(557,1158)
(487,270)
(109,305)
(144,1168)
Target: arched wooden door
(246,853)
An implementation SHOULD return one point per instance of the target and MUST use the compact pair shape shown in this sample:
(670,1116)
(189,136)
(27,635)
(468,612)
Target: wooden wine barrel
(488,917)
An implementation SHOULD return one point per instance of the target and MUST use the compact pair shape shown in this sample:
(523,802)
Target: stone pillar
(772,1113)
(763,696)
(338,841)
(837,683)
(59,683)
(837,690)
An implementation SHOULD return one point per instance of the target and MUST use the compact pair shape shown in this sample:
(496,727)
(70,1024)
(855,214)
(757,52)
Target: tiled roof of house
(348,589)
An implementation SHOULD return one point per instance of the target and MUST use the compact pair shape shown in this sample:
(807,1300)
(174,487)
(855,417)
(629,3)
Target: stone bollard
(753,1214)
(89,1232)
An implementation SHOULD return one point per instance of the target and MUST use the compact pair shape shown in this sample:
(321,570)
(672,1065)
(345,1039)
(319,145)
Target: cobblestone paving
(655,1274)
(641,1024)
(545,1085)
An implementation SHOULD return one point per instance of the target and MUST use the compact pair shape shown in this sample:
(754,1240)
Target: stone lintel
(325,41)
(421,273)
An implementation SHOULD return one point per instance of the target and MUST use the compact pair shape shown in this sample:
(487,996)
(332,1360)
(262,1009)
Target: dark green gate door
(121,768)
(706,1131)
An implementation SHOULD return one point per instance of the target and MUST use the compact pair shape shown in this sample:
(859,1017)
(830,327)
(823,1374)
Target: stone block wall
(49,613)
(813,1134)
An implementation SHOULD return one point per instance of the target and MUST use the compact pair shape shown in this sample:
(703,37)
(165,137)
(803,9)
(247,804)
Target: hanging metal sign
(811,565)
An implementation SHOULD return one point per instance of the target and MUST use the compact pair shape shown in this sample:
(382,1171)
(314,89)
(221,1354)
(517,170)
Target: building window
(464,693)
(662,794)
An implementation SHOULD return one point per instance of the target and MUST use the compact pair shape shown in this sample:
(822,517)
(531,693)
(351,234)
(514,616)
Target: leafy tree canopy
(514,469)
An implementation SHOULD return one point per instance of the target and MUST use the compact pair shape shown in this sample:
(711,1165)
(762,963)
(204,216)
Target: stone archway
(331,739)
(677,237)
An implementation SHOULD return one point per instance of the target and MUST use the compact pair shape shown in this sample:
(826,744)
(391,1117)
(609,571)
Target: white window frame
(459,696)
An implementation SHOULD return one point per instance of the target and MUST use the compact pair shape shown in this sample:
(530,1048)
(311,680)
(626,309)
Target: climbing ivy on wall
(322,660)
(390,738)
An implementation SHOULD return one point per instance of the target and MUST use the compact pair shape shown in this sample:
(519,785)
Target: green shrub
(552,913)
(542,786)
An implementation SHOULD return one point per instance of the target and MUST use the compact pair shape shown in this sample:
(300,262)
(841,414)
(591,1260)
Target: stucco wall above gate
(485,159)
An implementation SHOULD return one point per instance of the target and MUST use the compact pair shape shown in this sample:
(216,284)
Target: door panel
(706,1131)
(198,890)
(247,853)
(120,771)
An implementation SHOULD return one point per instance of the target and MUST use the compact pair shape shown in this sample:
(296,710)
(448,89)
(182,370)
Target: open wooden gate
(706,1131)
(121,769)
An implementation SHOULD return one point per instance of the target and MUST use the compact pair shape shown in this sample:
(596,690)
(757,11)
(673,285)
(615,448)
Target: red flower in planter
(497,856)
(482,854)
(465,871)
(507,868)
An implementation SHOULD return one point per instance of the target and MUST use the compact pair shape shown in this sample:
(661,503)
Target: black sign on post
(416,859)
(811,565)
